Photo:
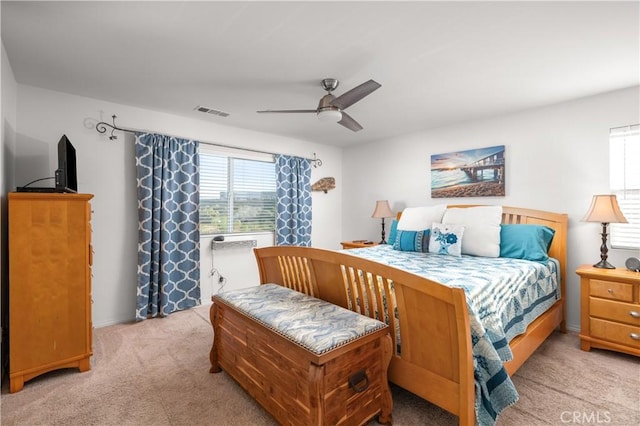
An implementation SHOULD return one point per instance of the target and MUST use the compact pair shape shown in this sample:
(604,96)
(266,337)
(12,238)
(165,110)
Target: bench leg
(213,354)
(385,416)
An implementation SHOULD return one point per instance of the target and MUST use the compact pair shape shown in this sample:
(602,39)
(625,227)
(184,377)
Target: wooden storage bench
(305,360)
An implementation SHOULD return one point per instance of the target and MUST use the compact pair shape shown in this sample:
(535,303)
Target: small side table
(357,244)
(610,309)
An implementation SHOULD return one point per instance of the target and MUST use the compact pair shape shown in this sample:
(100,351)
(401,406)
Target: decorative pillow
(419,218)
(481,228)
(530,242)
(412,241)
(446,239)
(393,230)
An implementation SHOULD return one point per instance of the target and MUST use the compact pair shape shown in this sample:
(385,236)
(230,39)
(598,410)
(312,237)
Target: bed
(442,352)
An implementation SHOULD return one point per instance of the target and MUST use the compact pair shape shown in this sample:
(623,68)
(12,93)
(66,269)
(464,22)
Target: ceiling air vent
(211,111)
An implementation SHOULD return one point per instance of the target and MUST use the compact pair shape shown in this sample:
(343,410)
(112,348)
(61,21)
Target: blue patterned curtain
(168,218)
(293,204)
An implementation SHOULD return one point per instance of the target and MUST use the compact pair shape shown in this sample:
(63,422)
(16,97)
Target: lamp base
(382,240)
(604,264)
(603,251)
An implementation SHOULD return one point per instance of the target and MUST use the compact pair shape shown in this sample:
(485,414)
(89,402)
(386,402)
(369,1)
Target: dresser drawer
(611,290)
(614,332)
(615,311)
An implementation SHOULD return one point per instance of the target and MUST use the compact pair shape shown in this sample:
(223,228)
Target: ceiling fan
(331,108)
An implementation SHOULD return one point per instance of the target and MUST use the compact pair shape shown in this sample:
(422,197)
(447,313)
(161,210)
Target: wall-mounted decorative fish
(324,184)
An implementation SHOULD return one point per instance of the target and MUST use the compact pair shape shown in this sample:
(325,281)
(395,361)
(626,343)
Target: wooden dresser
(610,309)
(50,257)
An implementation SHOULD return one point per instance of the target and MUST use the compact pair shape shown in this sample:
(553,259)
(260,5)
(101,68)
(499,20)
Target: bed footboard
(430,320)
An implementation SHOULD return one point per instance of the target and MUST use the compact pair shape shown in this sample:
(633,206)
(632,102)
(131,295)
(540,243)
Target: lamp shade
(604,209)
(382,210)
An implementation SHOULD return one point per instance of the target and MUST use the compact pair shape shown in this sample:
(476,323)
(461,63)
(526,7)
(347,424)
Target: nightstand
(610,309)
(357,244)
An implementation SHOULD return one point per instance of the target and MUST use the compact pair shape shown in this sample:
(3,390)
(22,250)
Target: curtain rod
(101,127)
(628,126)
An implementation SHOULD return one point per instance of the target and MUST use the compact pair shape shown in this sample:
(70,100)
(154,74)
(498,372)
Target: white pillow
(446,239)
(421,218)
(481,228)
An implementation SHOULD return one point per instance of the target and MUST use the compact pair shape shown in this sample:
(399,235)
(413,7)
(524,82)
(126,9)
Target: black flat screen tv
(66,175)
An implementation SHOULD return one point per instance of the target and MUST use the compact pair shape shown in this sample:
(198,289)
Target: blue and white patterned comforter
(503,297)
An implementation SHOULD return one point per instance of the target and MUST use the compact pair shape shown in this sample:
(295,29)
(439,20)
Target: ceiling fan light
(333,115)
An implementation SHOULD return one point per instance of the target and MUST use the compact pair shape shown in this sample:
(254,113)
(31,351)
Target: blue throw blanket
(503,297)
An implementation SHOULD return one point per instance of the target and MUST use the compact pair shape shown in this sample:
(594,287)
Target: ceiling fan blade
(287,111)
(348,122)
(354,95)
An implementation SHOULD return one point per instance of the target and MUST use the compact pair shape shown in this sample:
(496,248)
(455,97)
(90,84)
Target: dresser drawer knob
(634,336)
(634,314)
(610,291)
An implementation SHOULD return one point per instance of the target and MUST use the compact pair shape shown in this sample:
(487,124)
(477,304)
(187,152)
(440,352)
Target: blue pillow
(530,242)
(393,231)
(412,241)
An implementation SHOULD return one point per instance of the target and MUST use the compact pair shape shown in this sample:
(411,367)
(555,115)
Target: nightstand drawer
(614,332)
(611,290)
(615,311)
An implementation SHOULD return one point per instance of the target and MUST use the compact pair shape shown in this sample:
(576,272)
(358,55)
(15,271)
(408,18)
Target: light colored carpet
(156,372)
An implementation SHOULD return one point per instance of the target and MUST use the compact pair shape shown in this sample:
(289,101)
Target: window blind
(237,194)
(624,172)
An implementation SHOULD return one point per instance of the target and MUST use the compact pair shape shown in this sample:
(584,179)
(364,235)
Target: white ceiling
(438,62)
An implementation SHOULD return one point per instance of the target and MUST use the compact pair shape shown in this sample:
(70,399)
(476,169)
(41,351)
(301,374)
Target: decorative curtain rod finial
(101,127)
(316,161)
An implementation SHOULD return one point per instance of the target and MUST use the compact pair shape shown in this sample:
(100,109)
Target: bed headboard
(557,221)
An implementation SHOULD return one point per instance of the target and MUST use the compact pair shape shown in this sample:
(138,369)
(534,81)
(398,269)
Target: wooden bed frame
(436,360)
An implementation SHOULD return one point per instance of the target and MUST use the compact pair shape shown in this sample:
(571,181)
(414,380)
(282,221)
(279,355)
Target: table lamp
(605,210)
(382,211)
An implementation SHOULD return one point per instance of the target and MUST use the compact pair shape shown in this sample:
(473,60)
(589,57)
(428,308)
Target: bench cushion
(314,324)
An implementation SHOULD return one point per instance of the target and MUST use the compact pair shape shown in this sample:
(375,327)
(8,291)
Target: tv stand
(36,189)
(45,189)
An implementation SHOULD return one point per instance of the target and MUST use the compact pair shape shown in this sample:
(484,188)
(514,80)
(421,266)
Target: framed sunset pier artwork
(472,173)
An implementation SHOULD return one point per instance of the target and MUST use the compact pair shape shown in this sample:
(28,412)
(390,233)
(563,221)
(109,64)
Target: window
(624,150)
(237,192)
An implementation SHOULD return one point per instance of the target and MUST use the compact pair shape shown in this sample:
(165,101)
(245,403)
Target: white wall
(107,170)
(557,159)
(8,94)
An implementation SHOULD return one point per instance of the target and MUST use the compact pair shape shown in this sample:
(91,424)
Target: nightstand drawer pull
(610,291)
(634,314)
(634,336)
